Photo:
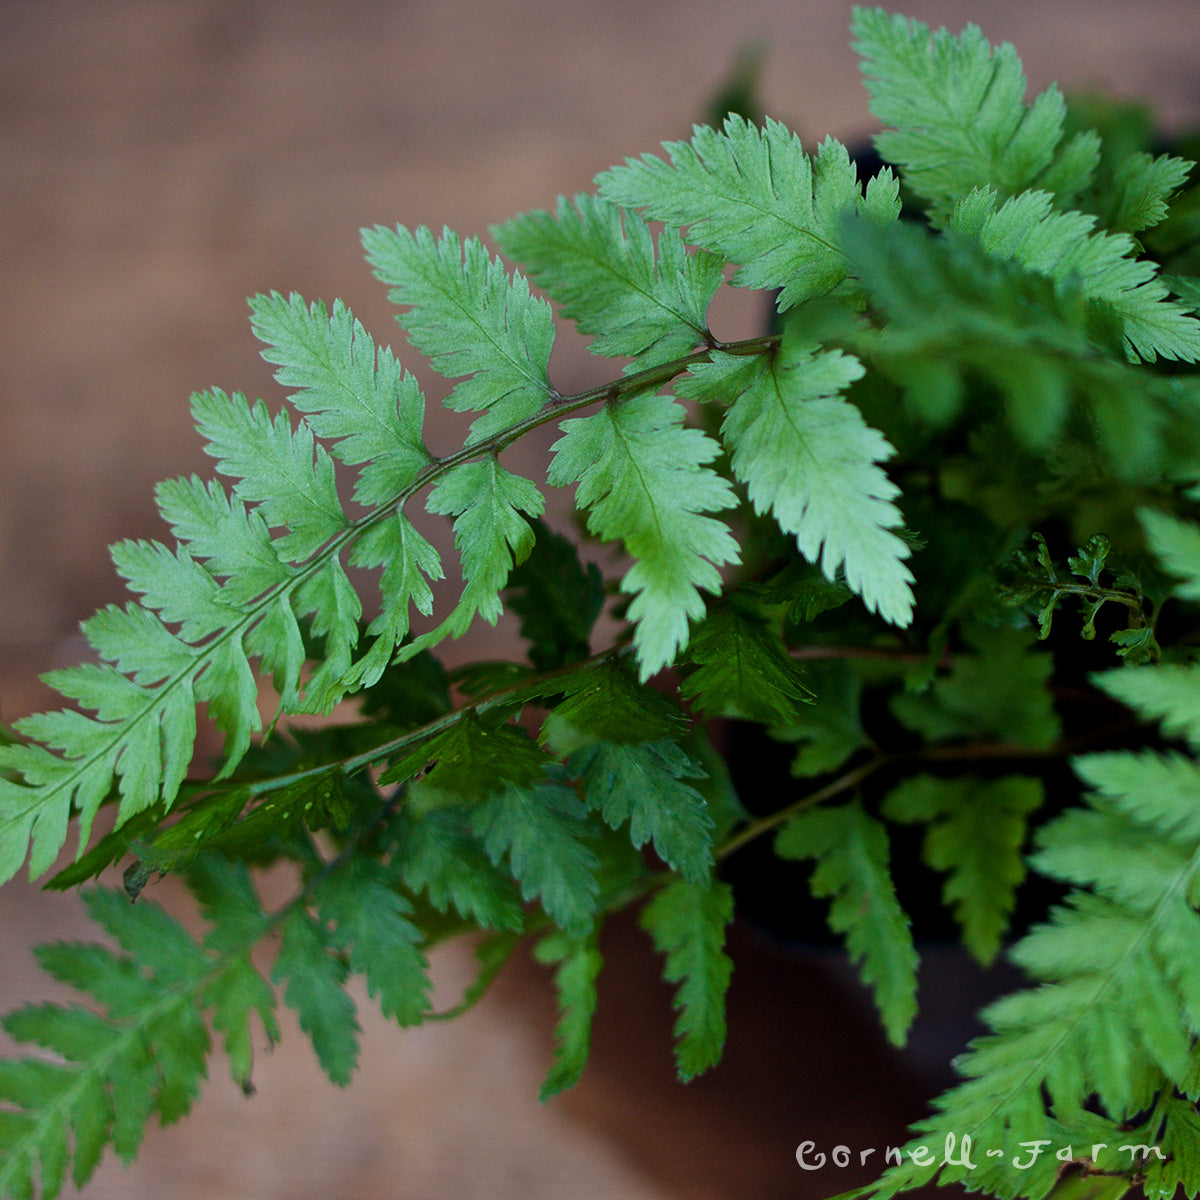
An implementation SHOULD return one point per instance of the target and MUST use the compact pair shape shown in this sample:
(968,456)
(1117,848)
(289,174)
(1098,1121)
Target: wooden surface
(162,160)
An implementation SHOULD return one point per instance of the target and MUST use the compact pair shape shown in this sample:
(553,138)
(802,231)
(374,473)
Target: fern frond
(754,197)
(687,923)
(1066,248)
(143,1053)
(643,784)
(742,670)
(285,472)
(439,855)
(372,926)
(642,476)
(1124,1005)
(353,395)
(468,318)
(956,315)
(539,830)
(1176,545)
(959,114)
(601,266)
(975,832)
(578,965)
(807,456)
(851,849)
(829,730)
(1140,189)
(490,534)
(997,690)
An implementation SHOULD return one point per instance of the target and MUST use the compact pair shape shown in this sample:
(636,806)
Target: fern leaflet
(642,476)
(807,457)
(601,266)
(754,197)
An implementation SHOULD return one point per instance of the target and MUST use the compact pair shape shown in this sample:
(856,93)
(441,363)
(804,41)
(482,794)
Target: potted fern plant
(935,533)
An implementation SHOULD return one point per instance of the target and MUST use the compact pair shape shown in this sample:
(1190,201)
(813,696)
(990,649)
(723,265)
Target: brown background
(159,162)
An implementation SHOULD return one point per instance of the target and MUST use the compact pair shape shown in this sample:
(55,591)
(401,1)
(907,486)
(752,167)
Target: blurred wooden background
(161,160)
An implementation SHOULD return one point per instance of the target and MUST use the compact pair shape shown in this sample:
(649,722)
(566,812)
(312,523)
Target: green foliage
(601,266)
(642,478)
(959,114)
(579,963)
(976,832)
(856,531)
(687,923)
(754,197)
(807,457)
(851,849)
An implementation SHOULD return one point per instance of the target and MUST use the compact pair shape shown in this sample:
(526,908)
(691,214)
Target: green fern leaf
(643,783)
(472,758)
(743,670)
(1065,248)
(490,534)
(1169,693)
(687,923)
(232,539)
(314,980)
(1116,1017)
(829,730)
(1176,545)
(807,457)
(408,561)
(540,830)
(469,318)
(285,472)
(851,850)
(641,475)
(237,921)
(350,393)
(439,855)
(1179,1167)
(579,964)
(605,704)
(143,1054)
(998,690)
(599,265)
(557,600)
(976,829)
(754,197)
(1140,189)
(956,315)
(372,926)
(959,112)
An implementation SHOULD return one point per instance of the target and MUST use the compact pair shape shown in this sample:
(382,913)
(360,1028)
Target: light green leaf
(469,318)
(490,535)
(599,265)
(350,393)
(807,456)
(959,114)
(753,196)
(1065,248)
(641,475)
(284,471)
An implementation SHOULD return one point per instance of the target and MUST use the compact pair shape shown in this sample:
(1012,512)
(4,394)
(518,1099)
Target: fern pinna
(854,532)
